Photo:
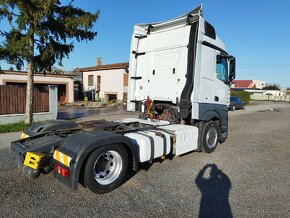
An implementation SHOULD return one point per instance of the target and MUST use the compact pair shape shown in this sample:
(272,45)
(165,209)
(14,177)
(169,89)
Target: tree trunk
(29,95)
(30,79)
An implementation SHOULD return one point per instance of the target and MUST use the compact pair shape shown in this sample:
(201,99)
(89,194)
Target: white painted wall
(274,93)
(285,98)
(111,82)
(259,84)
(41,79)
(266,92)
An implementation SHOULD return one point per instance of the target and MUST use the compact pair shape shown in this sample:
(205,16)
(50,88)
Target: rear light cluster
(61,170)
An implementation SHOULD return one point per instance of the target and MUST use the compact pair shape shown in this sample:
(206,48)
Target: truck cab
(182,67)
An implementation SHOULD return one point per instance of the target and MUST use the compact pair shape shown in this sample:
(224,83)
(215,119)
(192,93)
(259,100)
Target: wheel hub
(107,167)
(211,137)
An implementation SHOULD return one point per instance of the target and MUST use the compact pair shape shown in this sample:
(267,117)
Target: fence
(285,98)
(13,99)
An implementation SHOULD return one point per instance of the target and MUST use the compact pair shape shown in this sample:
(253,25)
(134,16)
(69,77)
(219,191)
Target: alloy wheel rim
(107,167)
(211,137)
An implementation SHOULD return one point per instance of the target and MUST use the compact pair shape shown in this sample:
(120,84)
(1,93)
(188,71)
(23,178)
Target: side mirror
(232,70)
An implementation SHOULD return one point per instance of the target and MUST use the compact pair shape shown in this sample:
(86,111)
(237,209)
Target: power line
(247,66)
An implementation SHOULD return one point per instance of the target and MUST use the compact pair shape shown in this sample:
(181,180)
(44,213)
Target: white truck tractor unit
(179,76)
(182,66)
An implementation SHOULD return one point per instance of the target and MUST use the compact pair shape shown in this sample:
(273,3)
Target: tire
(175,118)
(106,168)
(210,136)
(233,108)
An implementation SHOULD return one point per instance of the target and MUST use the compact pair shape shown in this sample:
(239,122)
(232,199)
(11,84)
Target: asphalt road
(75,112)
(247,176)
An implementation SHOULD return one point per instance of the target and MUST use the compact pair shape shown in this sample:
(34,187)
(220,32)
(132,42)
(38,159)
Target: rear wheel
(106,168)
(210,137)
(233,108)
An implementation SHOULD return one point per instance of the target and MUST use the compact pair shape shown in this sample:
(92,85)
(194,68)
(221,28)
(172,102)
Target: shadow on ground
(215,187)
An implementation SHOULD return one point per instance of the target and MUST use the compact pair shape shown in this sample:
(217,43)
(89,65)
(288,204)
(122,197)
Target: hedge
(243,95)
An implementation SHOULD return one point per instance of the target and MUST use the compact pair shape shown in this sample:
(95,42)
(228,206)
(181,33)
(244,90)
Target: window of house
(91,80)
(222,68)
(125,96)
(125,79)
(98,87)
(98,80)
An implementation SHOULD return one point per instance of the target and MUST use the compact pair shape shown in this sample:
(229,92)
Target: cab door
(221,83)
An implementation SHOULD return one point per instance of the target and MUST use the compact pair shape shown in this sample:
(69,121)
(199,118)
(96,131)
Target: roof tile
(123,65)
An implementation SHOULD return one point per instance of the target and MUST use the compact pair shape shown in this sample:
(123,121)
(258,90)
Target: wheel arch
(207,117)
(83,152)
(210,116)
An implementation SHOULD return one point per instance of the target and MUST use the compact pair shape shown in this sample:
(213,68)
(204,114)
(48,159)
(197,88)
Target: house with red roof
(243,84)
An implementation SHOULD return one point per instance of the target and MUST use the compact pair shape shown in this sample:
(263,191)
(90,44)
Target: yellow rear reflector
(33,160)
(23,136)
(62,158)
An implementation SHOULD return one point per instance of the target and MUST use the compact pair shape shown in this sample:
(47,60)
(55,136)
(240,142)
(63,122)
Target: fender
(48,126)
(209,112)
(79,146)
(210,115)
(221,115)
(207,116)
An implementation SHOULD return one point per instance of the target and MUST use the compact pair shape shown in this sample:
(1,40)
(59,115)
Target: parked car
(236,103)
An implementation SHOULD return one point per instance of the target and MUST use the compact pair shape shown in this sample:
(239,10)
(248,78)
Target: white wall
(111,82)
(259,84)
(266,92)
(42,79)
(274,92)
(285,98)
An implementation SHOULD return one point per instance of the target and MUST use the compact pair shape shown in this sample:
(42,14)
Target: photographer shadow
(215,192)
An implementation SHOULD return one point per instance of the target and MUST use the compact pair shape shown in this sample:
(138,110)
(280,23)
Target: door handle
(216,98)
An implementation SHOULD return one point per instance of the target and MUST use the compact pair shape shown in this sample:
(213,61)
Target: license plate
(33,160)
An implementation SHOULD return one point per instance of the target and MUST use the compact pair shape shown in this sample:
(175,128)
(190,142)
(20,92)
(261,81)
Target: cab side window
(222,68)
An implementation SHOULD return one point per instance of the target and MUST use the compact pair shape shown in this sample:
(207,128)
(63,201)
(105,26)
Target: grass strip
(13,127)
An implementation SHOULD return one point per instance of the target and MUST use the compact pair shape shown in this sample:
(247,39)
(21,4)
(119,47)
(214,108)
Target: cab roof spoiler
(187,18)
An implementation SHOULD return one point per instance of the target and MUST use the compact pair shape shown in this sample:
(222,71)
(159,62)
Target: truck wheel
(210,137)
(106,168)
(234,108)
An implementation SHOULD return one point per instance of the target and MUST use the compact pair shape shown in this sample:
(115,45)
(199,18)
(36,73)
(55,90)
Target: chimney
(99,61)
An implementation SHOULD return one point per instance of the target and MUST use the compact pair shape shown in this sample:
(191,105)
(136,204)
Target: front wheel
(210,137)
(106,168)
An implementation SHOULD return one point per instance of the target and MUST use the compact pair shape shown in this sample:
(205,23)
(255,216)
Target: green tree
(41,34)
(271,87)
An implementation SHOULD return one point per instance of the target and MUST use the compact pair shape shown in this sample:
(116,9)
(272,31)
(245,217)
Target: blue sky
(256,32)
